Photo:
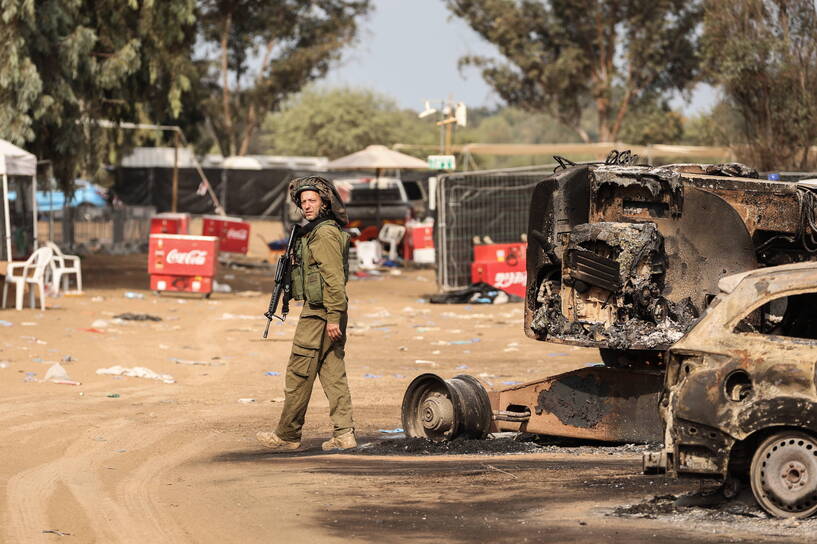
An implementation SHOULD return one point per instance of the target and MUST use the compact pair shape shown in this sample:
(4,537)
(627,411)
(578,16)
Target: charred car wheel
(784,475)
(439,409)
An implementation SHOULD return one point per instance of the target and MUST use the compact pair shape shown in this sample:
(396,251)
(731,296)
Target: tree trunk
(225,89)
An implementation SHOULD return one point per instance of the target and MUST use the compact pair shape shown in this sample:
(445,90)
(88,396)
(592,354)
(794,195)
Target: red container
(500,253)
(233,233)
(502,265)
(170,223)
(418,236)
(182,263)
(511,279)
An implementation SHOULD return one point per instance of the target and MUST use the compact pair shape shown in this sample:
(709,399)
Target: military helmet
(325,189)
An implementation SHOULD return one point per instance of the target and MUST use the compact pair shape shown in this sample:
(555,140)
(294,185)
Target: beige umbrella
(377,158)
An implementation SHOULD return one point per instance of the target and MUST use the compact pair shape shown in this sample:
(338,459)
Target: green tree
(763,54)
(652,122)
(336,122)
(562,55)
(265,51)
(68,65)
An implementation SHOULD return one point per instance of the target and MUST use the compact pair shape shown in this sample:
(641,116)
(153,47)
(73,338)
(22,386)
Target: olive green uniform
(319,279)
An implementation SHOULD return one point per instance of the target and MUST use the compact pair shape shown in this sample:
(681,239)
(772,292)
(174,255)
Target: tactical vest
(307,283)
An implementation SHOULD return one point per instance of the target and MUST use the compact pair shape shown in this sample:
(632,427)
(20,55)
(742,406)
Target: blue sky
(408,49)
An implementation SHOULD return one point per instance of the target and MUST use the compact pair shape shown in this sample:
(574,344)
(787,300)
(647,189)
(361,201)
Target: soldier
(319,278)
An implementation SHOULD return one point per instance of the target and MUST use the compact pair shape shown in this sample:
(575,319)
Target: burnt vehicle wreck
(624,258)
(740,400)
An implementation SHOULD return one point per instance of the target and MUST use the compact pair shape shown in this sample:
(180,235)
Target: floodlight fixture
(427,111)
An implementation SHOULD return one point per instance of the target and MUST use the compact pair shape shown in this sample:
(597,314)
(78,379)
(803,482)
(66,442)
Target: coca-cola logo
(194,256)
(237,234)
(506,279)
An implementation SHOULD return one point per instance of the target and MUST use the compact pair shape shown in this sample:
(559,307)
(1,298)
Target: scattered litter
(56,372)
(278,399)
(424,362)
(418,337)
(508,350)
(486,375)
(29,323)
(199,363)
(55,532)
(238,316)
(436,352)
(30,377)
(427,329)
(128,316)
(556,354)
(229,276)
(112,395)
(136,372)
(463,342)
(221,287)
(477,293)
(271,373)
(93,330)
(4,364)
(391,431)
(402,348)
(378,314)
(36,360)
(4,323)
(99,324)
(68,359)
(164,346)
(97,299)
(131,294)
(511,382)
(462,367)
(246,401)
(399,376)
(371,376)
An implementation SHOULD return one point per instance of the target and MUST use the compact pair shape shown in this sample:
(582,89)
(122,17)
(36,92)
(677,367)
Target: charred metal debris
(627,257)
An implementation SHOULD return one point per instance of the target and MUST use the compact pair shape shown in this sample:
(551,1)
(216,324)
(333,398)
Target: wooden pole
(175,196)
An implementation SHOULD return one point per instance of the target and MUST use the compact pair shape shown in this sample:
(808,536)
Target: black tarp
(241,192)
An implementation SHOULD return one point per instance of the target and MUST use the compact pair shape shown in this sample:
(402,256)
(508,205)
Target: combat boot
(275,442)
(343,442)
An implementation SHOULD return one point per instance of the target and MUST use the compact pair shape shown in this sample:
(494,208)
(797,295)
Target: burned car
(624,258)
(740,399)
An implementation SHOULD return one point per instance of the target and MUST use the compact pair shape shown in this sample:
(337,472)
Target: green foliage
(265,51)
(69,64)
(652,123)
(763,53)
(561,56)
(337,122)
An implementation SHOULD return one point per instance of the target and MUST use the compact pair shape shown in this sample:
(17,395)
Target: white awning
(15,161)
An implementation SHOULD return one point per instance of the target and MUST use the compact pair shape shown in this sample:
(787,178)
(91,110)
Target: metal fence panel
(491,204)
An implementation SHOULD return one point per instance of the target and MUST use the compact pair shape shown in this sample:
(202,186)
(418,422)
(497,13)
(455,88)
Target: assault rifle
(283,277)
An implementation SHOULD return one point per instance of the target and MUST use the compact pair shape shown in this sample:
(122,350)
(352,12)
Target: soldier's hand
(333,330)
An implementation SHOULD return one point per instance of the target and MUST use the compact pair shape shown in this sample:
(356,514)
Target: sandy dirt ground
(128,459)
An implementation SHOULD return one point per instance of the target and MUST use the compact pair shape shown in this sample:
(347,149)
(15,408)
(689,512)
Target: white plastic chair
(392,234)
(32,272)
(62,266)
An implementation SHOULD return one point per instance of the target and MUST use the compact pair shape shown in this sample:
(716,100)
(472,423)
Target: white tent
(15,161)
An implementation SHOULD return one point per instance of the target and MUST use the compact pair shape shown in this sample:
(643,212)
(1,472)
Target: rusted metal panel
(598,403)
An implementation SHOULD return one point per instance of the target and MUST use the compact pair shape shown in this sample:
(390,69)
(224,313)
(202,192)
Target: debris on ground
(136,372)
(477,293)
(195,363)
(128,316)
(133,295)
(246,401)
(421,446)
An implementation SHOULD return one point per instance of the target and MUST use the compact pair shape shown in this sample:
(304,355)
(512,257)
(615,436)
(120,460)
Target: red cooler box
(502,265)
(182,263)
(233,233)
(418,236)
(170,223)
